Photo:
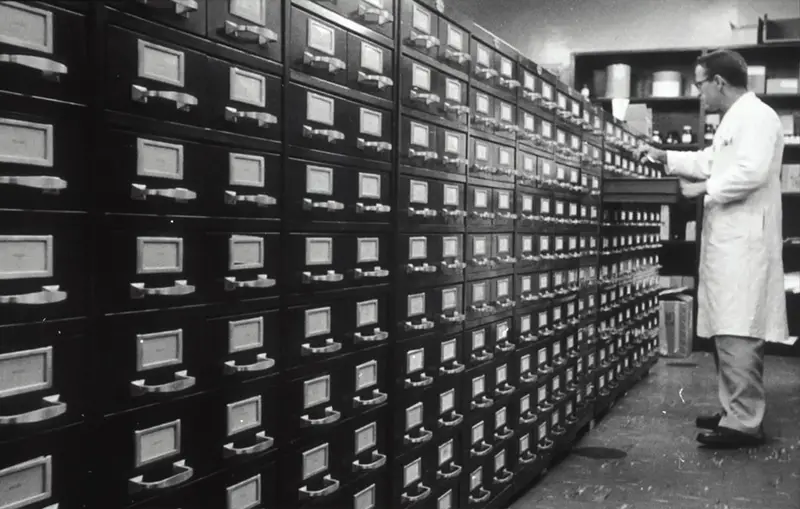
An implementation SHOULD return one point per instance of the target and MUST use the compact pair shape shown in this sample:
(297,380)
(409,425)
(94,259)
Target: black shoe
(726,438)
(708,421)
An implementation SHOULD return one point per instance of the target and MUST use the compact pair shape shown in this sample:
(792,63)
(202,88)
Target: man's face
(709,92)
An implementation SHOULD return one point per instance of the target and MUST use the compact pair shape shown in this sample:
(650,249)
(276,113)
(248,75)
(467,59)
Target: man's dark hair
(727,64)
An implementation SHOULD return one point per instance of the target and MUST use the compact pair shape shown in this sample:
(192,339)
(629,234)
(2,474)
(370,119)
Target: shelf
(677,146)
(665,101)
(631,190)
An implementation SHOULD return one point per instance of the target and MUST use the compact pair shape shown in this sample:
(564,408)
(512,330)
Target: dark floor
(644,455)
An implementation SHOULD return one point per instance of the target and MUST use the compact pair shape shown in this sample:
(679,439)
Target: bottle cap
(687,127)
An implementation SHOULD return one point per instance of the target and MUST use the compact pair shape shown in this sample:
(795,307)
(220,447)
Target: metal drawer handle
(424,436)
(424,381)
(178,194)
(456,369)
(486,120)
(332,487)
(378,208)
(261,281)
(181,288)
(545,370)
(424,268)
(424,324)
(507,171)
(182,474)
(331,416)
(454,161)
(48,295)
(182,7)
(509,128)
(50,185)
(455,213)
(527,338)
(427,97)
(483,308)
(262,363)
(482,215)
(486,72)
(333,64)
(459,57)
(423,212)
(485,494)
(507,258)
(53,409)
(426,154)
(50,68)
(378,146)
(452,474)
(528,420)
(183,101)
(377,398)
(332,346)
(456,265)
(559,431)
(504,479)
(485,356)
(378,80)
(328,134)
(329,277)
(329,205)
(380,460)
(424,41)
(455,318)
(264,443)
(455,421)
(529,297)
(262,200)
(263,119)
(505,392)
(544,406)
(376,272)
(504,436)
(531,96)
(527,458)
(484,402)
(181,383)
(413,499)
(377,335)
(375,15)
(263,36)
(546,444)
(506,347)
(480,449)
(456,108)
(529,378)
(509,83)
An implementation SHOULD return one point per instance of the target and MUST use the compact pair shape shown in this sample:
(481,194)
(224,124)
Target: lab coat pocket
(733,224)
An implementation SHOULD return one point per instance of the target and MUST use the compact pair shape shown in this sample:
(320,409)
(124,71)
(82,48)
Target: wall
(548,31)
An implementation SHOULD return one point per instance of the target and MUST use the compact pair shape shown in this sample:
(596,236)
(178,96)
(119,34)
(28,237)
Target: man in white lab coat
(740,290)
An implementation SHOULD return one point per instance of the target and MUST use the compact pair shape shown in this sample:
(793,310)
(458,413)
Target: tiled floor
(644,454)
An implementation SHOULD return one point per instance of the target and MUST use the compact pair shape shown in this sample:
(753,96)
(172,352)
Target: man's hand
(692,189)
(646,153)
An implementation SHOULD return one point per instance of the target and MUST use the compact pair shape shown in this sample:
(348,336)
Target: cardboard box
(676,325)
(757,78)
(782,86)
(790,178)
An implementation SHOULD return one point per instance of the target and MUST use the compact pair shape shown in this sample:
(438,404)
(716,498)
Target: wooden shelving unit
(680,257)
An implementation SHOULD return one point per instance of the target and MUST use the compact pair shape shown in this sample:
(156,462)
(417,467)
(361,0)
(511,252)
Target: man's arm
(690,165)
(755,147)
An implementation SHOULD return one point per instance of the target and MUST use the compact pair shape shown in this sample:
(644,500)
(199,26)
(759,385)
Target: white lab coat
(740,291)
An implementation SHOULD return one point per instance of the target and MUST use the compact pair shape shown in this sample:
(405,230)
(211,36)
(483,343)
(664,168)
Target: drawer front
(419,29)
(370,66)
(242,265)
(44,50)
(245,101)
(411,479)
(153,265)
(39,389)
(190,17)
(491,161)
(490,297)
(492,67)
(42,267)
(334,124)
(493,115)
(425,310)
(431,259)
(245,346)
(481,207)
(415,421)
(158,357)
(504,210)
(44,156)
(247,183)
(338,327)
(332,262)
(418,364)
(454,46)
(478,438)
(247,417)
(429,89)
(325,192)
(424,145)
(375,15)
(446,458)
(254,485)
(318,47)
(431,203)
(154,448)
(479,346)
(370,492)
(45,470)
(253,26)
(156,79)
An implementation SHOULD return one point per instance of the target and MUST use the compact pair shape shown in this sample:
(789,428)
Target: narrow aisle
(643,454)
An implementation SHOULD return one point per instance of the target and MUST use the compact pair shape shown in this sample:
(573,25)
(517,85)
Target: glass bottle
(687,137)
(657,137)
(708,135)
(672,138)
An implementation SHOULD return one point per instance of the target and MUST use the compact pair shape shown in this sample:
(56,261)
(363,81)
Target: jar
(672,138)
(657,137)
(687,137)
(708,135)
